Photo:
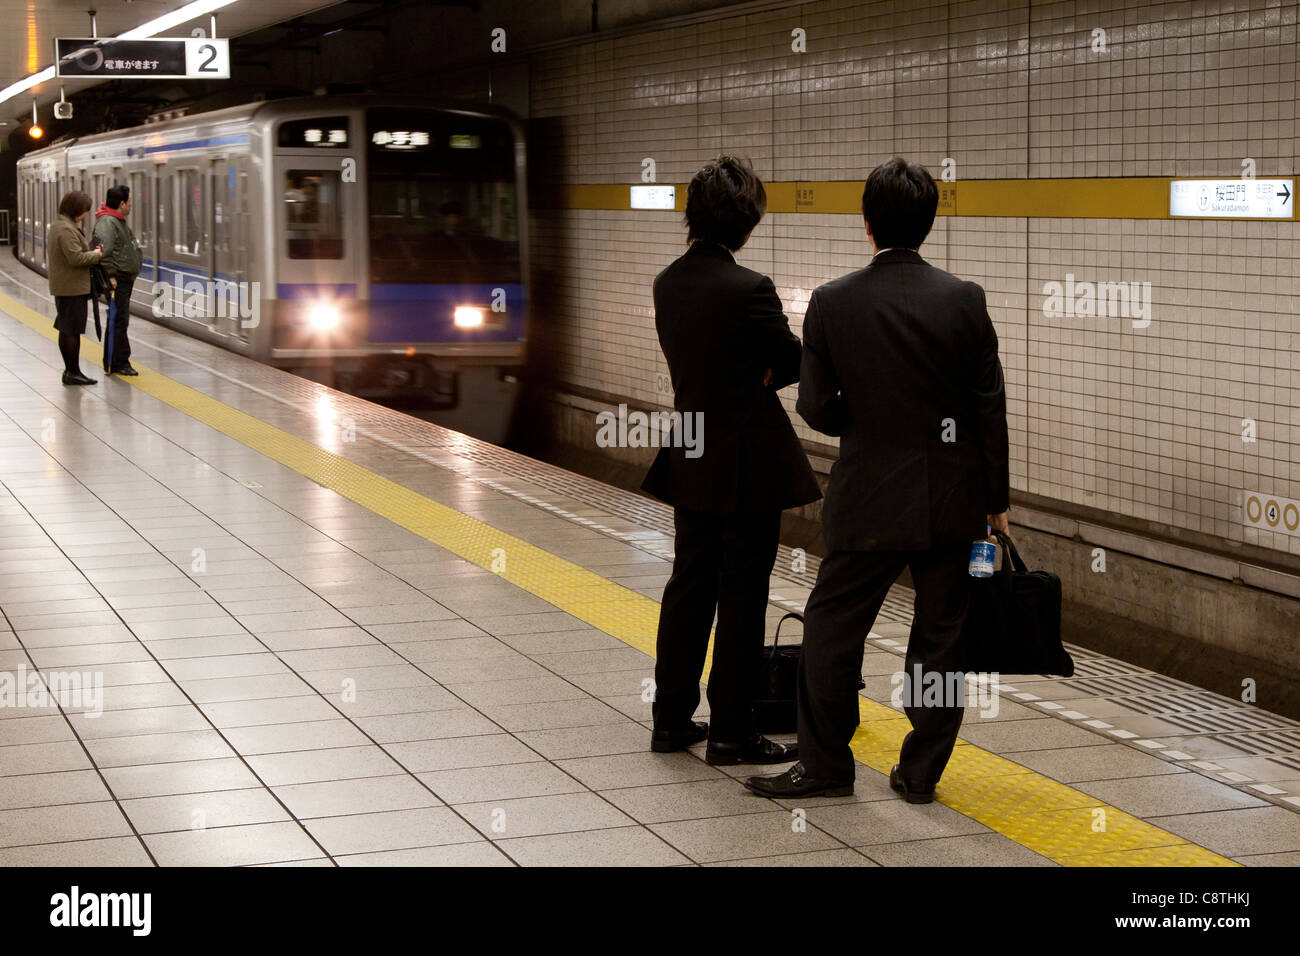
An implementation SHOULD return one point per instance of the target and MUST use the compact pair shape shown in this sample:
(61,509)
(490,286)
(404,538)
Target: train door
(49,207)
(163,227)
(188,254)
(39,227)
(142,221)
(242,266)
(316,222)
(223,318)
(25,221)
(230,240)
(100,183)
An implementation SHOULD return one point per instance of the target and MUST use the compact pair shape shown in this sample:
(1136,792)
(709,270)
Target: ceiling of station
(30,26)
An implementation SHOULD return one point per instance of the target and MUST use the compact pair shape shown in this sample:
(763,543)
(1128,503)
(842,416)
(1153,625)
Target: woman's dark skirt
(70,313)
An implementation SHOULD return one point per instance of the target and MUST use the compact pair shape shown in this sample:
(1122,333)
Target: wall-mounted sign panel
(1231,198)
(108,58)
(654,197)
(1271,512)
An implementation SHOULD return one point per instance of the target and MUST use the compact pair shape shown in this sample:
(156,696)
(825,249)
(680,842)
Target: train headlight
(468,317)
(323,316)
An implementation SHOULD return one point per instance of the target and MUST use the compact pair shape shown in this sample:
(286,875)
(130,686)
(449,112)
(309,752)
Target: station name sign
(108,58)
(1232,198)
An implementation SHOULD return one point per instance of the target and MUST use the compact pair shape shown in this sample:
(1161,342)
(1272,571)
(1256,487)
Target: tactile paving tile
(1050,818)
(1280,742)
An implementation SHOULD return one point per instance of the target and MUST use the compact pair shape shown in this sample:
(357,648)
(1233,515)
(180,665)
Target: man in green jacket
(121,263)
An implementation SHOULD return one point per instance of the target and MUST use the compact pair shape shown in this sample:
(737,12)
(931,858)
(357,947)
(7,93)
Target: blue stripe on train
(423,313)
(316,290)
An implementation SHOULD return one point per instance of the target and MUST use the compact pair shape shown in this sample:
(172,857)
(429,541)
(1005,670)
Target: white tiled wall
(1139,422)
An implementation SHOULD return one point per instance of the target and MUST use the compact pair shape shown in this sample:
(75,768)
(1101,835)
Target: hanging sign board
(108,58)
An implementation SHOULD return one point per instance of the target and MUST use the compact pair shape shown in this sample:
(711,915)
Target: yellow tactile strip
(1037,812)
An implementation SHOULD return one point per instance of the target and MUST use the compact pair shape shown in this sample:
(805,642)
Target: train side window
(141,209)
(313,214)
(166,188)
(187,225)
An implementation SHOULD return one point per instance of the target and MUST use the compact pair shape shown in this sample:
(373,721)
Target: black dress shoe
(666,741)
(124,370)
(793,783)
(757,749)
(912,792)
(77,379)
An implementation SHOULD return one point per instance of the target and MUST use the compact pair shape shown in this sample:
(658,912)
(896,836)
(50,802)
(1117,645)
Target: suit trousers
(722,563)
(851,587)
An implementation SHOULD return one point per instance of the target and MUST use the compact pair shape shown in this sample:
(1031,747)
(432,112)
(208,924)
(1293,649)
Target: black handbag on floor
(1014,622)
(775,708)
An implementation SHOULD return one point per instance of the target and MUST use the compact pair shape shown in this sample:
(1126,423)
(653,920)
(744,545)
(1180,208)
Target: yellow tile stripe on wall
(1133,198)
(1041,814)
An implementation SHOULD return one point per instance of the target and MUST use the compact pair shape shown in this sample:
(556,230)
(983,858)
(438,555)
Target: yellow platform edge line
(1080,198)
(1041,814)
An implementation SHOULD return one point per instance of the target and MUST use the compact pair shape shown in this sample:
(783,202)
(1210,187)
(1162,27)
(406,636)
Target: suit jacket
(901,362)
(720,326)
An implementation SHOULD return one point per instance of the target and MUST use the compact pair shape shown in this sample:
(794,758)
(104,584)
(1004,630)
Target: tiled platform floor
(290,679)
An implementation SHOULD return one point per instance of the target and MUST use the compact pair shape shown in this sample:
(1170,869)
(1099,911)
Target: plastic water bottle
(982,556)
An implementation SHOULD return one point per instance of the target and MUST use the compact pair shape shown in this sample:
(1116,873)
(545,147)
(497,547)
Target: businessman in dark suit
(901,362)
(729,349)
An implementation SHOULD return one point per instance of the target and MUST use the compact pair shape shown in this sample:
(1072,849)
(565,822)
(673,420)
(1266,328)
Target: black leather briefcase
(1014,622)
(775,708)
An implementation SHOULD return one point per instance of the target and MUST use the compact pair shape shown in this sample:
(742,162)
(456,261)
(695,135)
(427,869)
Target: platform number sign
(207,59)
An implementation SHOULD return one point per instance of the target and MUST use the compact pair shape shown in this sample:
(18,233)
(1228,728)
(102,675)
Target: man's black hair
(116,195)
(724,202)
(899,202)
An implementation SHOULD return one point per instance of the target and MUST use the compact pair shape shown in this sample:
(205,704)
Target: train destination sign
(107,58)
(1232,198)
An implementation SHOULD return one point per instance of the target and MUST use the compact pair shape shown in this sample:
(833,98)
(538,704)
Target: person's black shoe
(912,792)
(794,783)
(124,370)
(78,379)
(757,749)
(667,741)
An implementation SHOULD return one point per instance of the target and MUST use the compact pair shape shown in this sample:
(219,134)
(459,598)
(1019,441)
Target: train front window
(443,203)
(313,217)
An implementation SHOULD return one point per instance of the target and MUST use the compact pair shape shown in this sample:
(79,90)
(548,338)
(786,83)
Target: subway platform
(328,634)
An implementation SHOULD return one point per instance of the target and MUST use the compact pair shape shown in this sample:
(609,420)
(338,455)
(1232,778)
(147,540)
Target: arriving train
(377,246)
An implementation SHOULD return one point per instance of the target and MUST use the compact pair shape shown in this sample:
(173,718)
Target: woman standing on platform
(69,271)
